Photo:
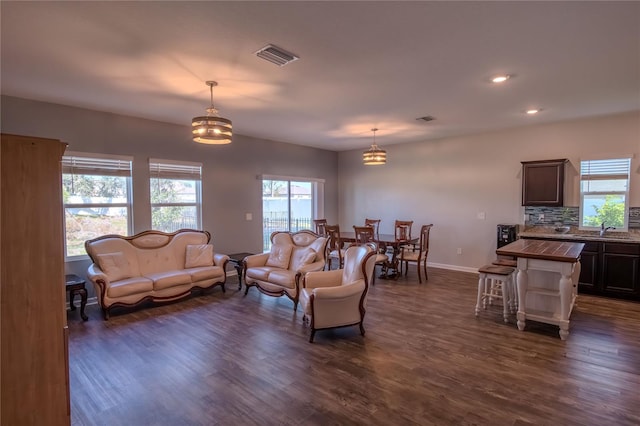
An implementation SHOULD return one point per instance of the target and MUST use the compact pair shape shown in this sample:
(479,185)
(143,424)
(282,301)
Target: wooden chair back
(333,233)
(375,223)
(320,225)
(424,238)
(364,234)
(403,230)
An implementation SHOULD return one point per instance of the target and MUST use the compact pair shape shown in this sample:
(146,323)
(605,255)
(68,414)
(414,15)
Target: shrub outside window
(604,193)
(175,189)
(96,191)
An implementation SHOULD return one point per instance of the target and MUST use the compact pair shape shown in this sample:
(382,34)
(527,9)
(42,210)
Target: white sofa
(278,272)
(152,266)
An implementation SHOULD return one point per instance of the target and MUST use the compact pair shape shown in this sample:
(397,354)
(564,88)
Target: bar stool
(495,282)
(511,263)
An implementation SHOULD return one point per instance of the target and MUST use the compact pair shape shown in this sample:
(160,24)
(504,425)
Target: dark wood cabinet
(590,266)
(620,269)
(543,183)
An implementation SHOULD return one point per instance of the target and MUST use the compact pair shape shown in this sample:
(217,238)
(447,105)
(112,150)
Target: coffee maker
(507,234)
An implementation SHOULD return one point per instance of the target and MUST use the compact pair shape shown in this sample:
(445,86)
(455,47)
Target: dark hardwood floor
(227,359)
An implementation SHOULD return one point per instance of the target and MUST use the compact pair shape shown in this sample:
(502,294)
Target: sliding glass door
(287,205)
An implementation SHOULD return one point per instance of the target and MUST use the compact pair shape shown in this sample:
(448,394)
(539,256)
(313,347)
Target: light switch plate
(248,216)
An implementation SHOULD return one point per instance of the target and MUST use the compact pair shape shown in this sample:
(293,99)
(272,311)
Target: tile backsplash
(568,216)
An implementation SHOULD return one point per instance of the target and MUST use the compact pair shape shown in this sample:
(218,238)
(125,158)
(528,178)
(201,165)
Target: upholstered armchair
(338,297)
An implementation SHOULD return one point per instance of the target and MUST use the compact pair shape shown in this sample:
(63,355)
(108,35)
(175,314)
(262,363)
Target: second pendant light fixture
(374,156)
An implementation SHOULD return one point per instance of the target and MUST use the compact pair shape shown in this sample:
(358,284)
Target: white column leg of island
(522,281)
(566,294)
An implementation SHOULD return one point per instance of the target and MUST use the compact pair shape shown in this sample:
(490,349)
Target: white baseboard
(454,267)
(90,301)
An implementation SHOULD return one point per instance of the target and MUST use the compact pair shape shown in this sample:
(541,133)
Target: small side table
(75,285)
(236,259)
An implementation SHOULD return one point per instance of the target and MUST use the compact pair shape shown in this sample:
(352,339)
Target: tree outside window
(604,193)
(175,195)
(96,196)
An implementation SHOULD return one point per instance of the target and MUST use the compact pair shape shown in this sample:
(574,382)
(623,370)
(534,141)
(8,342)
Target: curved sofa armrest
(100,281)
(340,292)
(256,260)
(317,279)
(315,266)
(95,274)
(220,259)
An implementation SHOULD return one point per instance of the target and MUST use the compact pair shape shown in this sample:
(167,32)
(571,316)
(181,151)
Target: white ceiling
(362,64)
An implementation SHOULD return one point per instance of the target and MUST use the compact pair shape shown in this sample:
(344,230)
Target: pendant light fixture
(211,129)
(374,156)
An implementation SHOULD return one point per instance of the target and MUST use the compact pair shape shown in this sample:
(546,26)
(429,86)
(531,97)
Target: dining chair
(320,225)
(403,230)
(335,247)
(375,223)
(365,235)
(417,254)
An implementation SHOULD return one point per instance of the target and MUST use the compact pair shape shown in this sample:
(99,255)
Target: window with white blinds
(176,194)
(604,193)
(97,198)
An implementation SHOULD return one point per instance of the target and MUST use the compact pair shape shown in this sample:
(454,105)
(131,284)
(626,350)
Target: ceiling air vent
(426,118)
(276,55)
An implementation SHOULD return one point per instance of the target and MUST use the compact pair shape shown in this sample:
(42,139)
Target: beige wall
(231,187)
(448,182)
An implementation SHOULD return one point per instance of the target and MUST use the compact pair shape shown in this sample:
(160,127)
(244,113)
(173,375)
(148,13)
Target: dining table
(384,241)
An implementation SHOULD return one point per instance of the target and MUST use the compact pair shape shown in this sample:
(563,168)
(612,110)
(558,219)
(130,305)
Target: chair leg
(361,328)
(313,333)
(480,291)
(426,277)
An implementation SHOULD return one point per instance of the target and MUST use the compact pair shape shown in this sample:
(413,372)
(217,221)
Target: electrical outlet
(248,216)
(481,216)
(459,250)
(541,216)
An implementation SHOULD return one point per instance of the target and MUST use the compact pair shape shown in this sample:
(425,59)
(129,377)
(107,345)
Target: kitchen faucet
(603,229)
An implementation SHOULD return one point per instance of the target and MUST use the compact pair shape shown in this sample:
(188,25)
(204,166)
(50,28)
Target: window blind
(167,169)
(92,164)
(605,176)
(618,168)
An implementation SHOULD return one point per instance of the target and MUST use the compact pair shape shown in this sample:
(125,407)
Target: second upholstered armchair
(338,298)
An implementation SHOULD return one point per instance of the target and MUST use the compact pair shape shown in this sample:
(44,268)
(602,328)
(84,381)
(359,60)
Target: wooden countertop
(559,251)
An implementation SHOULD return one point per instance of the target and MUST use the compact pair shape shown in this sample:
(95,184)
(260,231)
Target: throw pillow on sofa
(115,265)
(302,257)
(198,255)
(279,256)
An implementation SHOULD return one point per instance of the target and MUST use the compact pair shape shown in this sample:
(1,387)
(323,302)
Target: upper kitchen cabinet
(543,183)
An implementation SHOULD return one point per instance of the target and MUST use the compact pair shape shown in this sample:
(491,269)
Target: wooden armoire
(34,375)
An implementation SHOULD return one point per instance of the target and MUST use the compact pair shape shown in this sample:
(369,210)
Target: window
(289,204)
(96,191)
(176,199)
(604,193)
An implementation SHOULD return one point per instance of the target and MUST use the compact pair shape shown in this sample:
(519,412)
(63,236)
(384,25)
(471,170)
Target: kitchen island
(547,280)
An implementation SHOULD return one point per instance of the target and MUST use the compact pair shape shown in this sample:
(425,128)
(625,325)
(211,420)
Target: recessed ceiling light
(500,78)
(533,111)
